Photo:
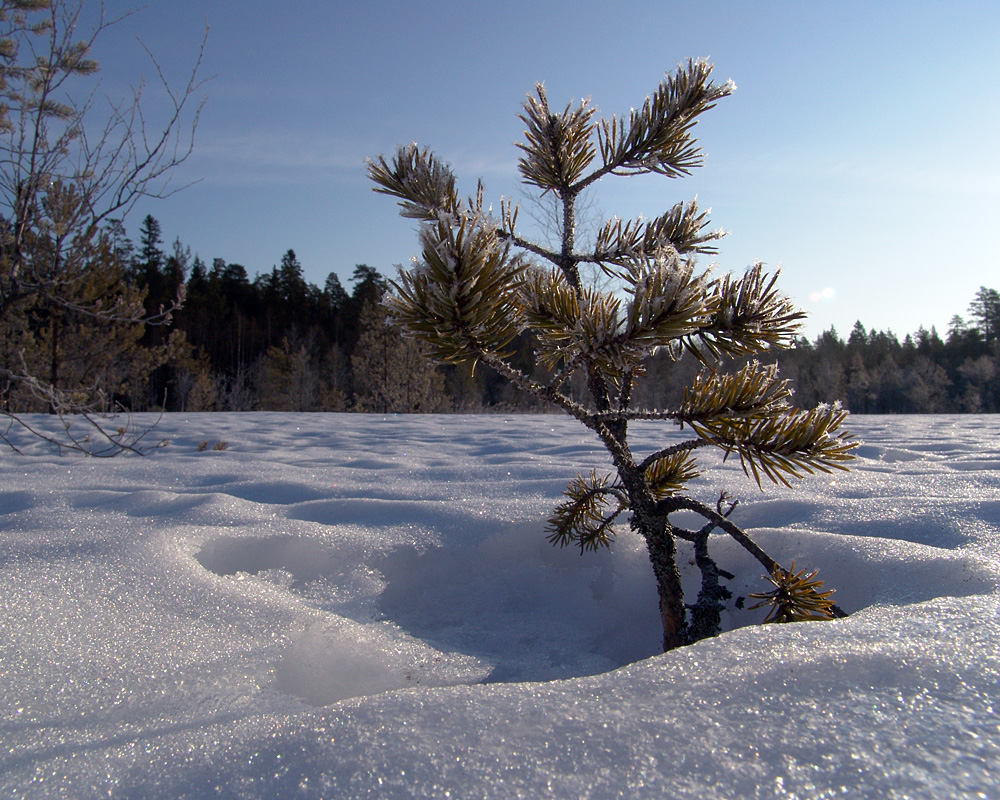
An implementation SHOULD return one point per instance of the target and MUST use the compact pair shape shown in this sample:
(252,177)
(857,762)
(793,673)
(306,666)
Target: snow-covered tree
(479,283)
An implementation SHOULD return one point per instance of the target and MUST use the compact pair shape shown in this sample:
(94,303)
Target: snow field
(365,606)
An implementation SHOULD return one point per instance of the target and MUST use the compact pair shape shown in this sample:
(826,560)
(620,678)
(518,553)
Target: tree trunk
(662,549)
(54,363)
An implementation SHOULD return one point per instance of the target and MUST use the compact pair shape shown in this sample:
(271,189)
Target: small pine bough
(479,284)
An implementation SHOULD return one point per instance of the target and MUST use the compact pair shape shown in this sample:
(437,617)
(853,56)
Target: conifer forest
(273,341)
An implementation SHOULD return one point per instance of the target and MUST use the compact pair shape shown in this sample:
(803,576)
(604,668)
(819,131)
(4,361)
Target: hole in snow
(305,559)
(512,608)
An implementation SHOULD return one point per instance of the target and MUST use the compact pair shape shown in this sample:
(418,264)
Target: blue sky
(859,152)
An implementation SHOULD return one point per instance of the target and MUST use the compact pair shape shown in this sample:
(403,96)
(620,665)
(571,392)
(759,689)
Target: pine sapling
(480,284)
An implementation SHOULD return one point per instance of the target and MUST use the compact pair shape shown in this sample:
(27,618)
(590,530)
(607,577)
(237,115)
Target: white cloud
(822,295)
(269,156)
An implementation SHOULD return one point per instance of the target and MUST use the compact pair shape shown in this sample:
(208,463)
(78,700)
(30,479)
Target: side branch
(532,387)
(666,452)
(635,413)
(671,504)
(531,247)
(567,369)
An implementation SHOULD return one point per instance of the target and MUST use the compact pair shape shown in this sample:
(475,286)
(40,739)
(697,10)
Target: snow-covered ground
(348,606)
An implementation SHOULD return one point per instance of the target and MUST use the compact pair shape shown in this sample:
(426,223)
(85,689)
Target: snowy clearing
(355,606)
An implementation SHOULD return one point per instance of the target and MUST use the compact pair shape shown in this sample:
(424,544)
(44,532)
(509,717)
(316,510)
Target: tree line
(222,340)
(874,372)
(211,337)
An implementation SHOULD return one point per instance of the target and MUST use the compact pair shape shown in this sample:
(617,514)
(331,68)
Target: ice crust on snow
(365,606)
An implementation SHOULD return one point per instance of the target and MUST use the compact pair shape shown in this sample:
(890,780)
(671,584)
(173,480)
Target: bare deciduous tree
(68,171)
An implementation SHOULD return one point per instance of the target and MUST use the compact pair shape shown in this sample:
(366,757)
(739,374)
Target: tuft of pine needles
(585,519)
(796,597)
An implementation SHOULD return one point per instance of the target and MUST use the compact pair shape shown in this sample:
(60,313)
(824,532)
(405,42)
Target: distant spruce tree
(984,310)
(480,283)
(390,374)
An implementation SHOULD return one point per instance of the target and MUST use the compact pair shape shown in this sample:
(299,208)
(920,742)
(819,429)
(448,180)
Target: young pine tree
(480,283)
(80,349)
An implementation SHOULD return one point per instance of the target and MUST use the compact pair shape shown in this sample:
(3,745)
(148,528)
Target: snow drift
(365,606)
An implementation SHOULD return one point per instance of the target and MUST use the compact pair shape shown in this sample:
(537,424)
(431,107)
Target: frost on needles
(479,285)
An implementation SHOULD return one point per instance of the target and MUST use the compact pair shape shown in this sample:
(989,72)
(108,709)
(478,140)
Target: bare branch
(62,176)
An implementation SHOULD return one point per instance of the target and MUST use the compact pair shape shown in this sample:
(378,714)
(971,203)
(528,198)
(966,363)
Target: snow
(357,606)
